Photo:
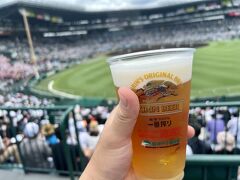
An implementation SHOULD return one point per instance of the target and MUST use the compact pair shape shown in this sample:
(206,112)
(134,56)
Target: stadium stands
(67,48)
(23,100)
(50,125)
(28,119)
(218,128)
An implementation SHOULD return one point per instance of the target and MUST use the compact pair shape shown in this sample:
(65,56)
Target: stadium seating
(67,157)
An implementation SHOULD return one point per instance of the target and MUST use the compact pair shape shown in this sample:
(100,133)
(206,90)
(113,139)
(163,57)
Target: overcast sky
(92,5)
(101,5)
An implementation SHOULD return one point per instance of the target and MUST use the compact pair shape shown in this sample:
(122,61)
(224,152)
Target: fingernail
(123,101)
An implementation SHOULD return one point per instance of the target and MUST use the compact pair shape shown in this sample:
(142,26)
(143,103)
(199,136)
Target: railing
(74,157)
(208,167)
(216,104)
(69,159)
(65,159)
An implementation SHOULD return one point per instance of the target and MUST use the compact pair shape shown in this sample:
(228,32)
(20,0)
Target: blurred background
(56,90)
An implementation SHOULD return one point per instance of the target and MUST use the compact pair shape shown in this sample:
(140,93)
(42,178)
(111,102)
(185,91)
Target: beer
(162,80)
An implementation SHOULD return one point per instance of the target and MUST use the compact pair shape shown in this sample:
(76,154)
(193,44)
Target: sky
(103,5)
(100,5)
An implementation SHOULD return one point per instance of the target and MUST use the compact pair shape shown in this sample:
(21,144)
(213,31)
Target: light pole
(30,43)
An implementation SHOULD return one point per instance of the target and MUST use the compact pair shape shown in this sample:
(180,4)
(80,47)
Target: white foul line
(60,93)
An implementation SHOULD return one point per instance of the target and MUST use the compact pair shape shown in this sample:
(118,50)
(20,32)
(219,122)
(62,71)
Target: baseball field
(216,72)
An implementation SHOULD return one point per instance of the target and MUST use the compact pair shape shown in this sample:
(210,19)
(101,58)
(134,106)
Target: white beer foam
(125,72)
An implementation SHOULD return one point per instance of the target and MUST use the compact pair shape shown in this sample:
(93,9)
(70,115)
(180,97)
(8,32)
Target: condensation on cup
(162,81)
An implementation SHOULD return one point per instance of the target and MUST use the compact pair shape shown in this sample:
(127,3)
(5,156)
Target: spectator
(8,150)
(94,134)
(198,146)
(234,127)
(199,117)
(84,138)
(89,141)
(189,151)
(35,150)
(71,137)
(225,144)
(48,131)
(209,113)
(215,126)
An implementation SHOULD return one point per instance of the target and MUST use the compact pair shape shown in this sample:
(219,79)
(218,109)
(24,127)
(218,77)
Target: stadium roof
(100,5)
(71,12)
(103,5)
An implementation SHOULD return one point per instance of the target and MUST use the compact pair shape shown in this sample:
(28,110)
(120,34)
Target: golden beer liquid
(162,162)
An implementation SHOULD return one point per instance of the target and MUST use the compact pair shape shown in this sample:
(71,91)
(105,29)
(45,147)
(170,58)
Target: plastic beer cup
(162,81)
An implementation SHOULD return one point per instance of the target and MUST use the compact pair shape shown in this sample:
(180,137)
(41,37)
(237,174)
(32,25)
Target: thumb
(126,113)
(112,156)
(122,120)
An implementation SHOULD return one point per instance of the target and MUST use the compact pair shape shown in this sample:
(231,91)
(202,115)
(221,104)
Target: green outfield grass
(89,79)
(216,72)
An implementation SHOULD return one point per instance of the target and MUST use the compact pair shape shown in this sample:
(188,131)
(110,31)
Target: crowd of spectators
(23,100)
(11,73)
(14,71)
(217,130)
(15,74)
(40,139)
(62,49)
